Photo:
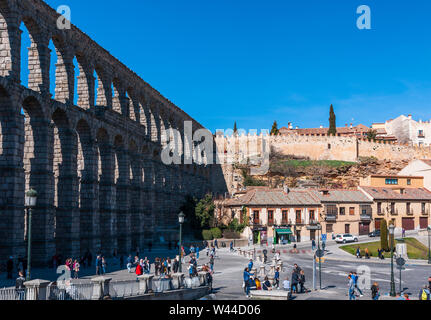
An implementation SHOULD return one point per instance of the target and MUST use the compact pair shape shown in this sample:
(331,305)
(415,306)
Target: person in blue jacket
(250,265)
(246,277)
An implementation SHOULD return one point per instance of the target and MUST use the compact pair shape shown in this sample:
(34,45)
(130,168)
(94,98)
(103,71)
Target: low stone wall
(181,294)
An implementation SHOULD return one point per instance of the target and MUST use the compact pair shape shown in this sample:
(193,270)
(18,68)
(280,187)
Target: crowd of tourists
(253,282)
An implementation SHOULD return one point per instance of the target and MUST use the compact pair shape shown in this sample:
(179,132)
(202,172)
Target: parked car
(375,233)
(343,238)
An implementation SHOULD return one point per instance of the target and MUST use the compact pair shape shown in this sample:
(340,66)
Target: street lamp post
(429,244)
(391,233)
(30,203)
(320,258)
(181,221)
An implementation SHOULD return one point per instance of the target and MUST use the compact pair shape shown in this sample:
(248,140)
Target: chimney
(351,126)
(321,127)
(289,125)
(409,116)
(345,125)
(296,127)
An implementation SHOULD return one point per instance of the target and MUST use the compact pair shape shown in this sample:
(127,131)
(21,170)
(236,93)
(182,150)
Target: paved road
(229,268)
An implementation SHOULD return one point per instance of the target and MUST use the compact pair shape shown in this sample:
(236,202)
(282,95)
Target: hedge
(207,234)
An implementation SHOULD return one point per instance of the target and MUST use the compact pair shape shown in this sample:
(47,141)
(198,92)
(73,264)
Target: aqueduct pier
(95,163)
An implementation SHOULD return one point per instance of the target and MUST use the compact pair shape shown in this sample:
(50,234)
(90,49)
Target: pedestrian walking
(313,244)
(104,265)
(98,265)
(404,233)
(76,267)
(375,295)
(351,286)
(129,263)
(367,254)
(355,279)
(358,253)
(216,243)
(212,264)
(197,253)
(19,286)
(302,281)
(231,246)
(277,278)
(295,281)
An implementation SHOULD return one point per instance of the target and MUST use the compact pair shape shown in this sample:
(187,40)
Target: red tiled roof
(391,194)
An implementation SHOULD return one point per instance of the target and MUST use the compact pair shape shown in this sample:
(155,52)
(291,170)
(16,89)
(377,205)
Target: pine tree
(274,129)
(332,125)
(384,235)
(235,129)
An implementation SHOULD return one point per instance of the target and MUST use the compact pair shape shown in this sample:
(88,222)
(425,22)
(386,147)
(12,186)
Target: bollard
(202,277)
(178,280)
(145,283)
(100,287)
(262,271)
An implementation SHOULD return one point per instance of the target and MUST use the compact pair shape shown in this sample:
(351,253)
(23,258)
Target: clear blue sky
(255,61)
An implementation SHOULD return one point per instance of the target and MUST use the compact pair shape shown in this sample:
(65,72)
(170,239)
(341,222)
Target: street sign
(400,261)
(311,227)
(324,237)
(401,267)
(322,260)
(320,253)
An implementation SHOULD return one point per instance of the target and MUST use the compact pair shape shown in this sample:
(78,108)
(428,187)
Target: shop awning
(284,231)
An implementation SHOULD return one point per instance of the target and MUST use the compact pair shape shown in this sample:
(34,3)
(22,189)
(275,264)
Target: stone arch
(85,82)
(119,97)
(66,220)
(104,95)
(37,63)
(134,105)
(64,71)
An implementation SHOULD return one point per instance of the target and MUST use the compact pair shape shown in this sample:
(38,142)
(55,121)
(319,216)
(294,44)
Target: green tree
(332,123)
(274,129)
(372,134)
(205,212)
(384,235)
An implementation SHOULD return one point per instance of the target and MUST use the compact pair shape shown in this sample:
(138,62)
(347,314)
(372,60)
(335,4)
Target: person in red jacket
(139,271)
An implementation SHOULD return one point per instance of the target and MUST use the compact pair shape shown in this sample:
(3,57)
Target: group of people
(366,253)
(353,286)
(252,281)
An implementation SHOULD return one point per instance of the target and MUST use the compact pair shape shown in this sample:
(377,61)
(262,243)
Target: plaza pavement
(229,269)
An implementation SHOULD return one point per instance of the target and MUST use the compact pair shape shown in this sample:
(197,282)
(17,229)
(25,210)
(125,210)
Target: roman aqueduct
(95,163)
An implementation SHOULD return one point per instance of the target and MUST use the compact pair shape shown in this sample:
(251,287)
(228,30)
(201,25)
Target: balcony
(270,223)
(365,217)
(331,217)
(284,222)
(297,222)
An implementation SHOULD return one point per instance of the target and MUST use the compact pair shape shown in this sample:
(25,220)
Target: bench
(269,295)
